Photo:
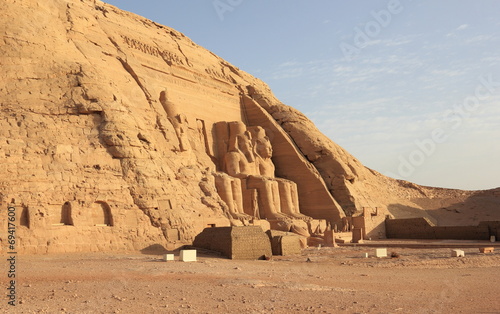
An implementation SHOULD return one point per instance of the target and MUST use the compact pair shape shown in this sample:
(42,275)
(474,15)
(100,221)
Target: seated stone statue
(229,189)
(289,199)
(240,163)
(240,160)
(277,198)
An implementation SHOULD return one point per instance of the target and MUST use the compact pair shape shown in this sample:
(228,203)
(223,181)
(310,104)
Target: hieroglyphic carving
(200,78)
(180,69)
(168,56)
(220,76)
(155,69)
(202,90)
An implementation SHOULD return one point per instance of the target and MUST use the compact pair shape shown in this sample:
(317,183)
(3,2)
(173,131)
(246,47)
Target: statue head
(263,147)
(181,118)
(261,142)
(240,140)
(169,107)
(244,144)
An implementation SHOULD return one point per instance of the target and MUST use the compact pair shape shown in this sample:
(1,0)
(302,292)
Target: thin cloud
(479,38)
(288,64)
(447,73)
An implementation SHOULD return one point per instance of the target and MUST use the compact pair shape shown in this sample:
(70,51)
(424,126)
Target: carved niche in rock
(66,215)
(101,214)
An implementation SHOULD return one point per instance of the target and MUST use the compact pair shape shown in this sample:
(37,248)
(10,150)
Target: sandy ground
(334,280)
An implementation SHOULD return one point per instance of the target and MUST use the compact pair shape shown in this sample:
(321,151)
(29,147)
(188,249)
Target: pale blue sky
(410,88)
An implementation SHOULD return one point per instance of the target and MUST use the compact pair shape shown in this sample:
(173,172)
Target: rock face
(109,139)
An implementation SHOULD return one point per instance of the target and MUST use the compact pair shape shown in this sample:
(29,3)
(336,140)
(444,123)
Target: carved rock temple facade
(117,133)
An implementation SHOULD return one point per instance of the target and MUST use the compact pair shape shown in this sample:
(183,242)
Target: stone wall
(372,222)
(285,243)
(245,242)
(422,228)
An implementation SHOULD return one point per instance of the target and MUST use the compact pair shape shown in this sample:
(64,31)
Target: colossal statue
(239,160)
(288,194)
(249,158)
(178,121)
(240,163)
(229,189)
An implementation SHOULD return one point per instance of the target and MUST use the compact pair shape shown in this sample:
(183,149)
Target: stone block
(315,241)
(457,253)
(357,235)
(188,255)
(169,257)
(303,242)
(248,242)
(486,249)
(330,238)
(264,224)
(290,245)
(381,252)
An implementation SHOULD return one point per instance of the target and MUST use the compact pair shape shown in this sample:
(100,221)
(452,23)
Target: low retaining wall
(422,228)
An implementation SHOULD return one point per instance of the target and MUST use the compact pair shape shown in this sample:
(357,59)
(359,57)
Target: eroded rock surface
(108,137)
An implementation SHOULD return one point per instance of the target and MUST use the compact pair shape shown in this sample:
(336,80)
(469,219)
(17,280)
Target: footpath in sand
(326,280)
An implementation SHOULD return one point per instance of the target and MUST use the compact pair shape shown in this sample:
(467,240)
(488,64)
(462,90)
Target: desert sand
(334,280)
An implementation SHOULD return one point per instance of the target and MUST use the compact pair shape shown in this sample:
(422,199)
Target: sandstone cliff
(107,136)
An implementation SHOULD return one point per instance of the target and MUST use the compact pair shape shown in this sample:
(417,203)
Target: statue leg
(268,196)
(227,188)
(295,197)
(285,198)
(290,199)
(238,198)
